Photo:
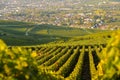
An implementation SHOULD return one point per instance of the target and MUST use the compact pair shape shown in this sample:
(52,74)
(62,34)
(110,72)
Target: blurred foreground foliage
(20,64)
(109,66)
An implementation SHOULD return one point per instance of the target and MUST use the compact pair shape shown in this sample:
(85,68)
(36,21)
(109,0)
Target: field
(77,62)
(21,33)
(69,54)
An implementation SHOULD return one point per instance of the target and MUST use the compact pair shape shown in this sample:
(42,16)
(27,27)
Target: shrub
(19,64)
(109,66)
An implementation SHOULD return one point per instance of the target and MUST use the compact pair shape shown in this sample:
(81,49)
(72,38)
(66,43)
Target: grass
(21,33)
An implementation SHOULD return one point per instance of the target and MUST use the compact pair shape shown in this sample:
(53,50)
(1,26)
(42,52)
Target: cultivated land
(47,52)
(60,40)
(21,33)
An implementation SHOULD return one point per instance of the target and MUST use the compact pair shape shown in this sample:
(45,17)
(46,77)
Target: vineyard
(16,33)
(74,54)
(71,62)
(61,62)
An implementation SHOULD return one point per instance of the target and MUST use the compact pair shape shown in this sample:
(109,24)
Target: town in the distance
(101,14)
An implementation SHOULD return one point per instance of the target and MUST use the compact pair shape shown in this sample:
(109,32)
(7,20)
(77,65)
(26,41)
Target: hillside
(59,40)
(21,33)
(48,52)
(64,61)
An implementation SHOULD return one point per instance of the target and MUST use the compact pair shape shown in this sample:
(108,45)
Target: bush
(19,64)
(109,66)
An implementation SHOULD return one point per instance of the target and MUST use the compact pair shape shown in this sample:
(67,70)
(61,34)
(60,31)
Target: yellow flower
(27,76)
(34,54)
(19,67)
(1,75)
(100,71)
(17,62)
(9,78)
(22,58)
(115,43)
(2,45)
(7,69)
(19,48)
(12,56)
(2,48)
(24,64)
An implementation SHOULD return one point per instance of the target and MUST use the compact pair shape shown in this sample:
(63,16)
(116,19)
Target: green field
(21,33)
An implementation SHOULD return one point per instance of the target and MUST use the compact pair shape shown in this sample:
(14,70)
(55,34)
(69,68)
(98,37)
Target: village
(74,14)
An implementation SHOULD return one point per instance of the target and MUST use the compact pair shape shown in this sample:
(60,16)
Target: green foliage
(20,64)
(12,22)
(17,63)
(14,33)
(41,61)
(92,66)
(76,74)
(54,58)
(65,69)
(61,61)
(45,54)
(109,67)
